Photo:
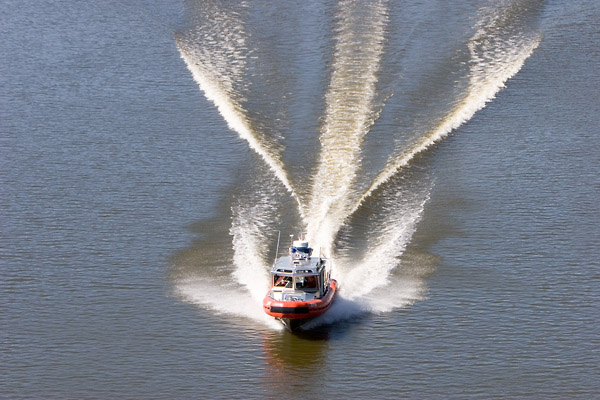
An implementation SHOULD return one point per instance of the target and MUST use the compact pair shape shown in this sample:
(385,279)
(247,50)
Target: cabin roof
(306,266)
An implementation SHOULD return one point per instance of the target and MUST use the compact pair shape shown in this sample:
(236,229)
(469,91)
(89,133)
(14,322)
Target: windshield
(306,282)
(298,282)
(282,281)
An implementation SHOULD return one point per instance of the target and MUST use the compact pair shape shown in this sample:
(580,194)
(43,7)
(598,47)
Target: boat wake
(351,111)
(362,221)
(216,56)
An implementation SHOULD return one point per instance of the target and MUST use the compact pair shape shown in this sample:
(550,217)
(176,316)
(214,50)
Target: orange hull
(300,309)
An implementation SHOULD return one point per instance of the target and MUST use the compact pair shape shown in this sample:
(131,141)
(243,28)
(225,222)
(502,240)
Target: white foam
(387,244)
(341,309)
(348,117)
(217,61)
(248,230)
(224,298)
(233,113)
(490,68)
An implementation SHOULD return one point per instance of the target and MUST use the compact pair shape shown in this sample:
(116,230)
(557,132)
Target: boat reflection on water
(283,349)
(295,362)
(285,352)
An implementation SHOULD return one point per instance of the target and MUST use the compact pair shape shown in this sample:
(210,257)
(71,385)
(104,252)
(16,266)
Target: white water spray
(239,289)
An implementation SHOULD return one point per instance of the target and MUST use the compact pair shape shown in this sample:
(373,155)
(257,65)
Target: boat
(301,288)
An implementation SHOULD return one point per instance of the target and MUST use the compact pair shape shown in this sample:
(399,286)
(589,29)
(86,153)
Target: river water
(444,156)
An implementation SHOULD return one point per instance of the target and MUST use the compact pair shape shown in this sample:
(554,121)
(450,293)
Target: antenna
(277,248)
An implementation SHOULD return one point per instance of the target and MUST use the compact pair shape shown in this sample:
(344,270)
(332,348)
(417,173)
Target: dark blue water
(129,198)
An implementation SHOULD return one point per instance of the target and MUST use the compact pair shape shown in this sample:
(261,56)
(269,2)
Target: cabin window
(306,282)
(311,282)
(282,281)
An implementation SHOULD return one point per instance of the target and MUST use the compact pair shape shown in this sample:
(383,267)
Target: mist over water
(217,50)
